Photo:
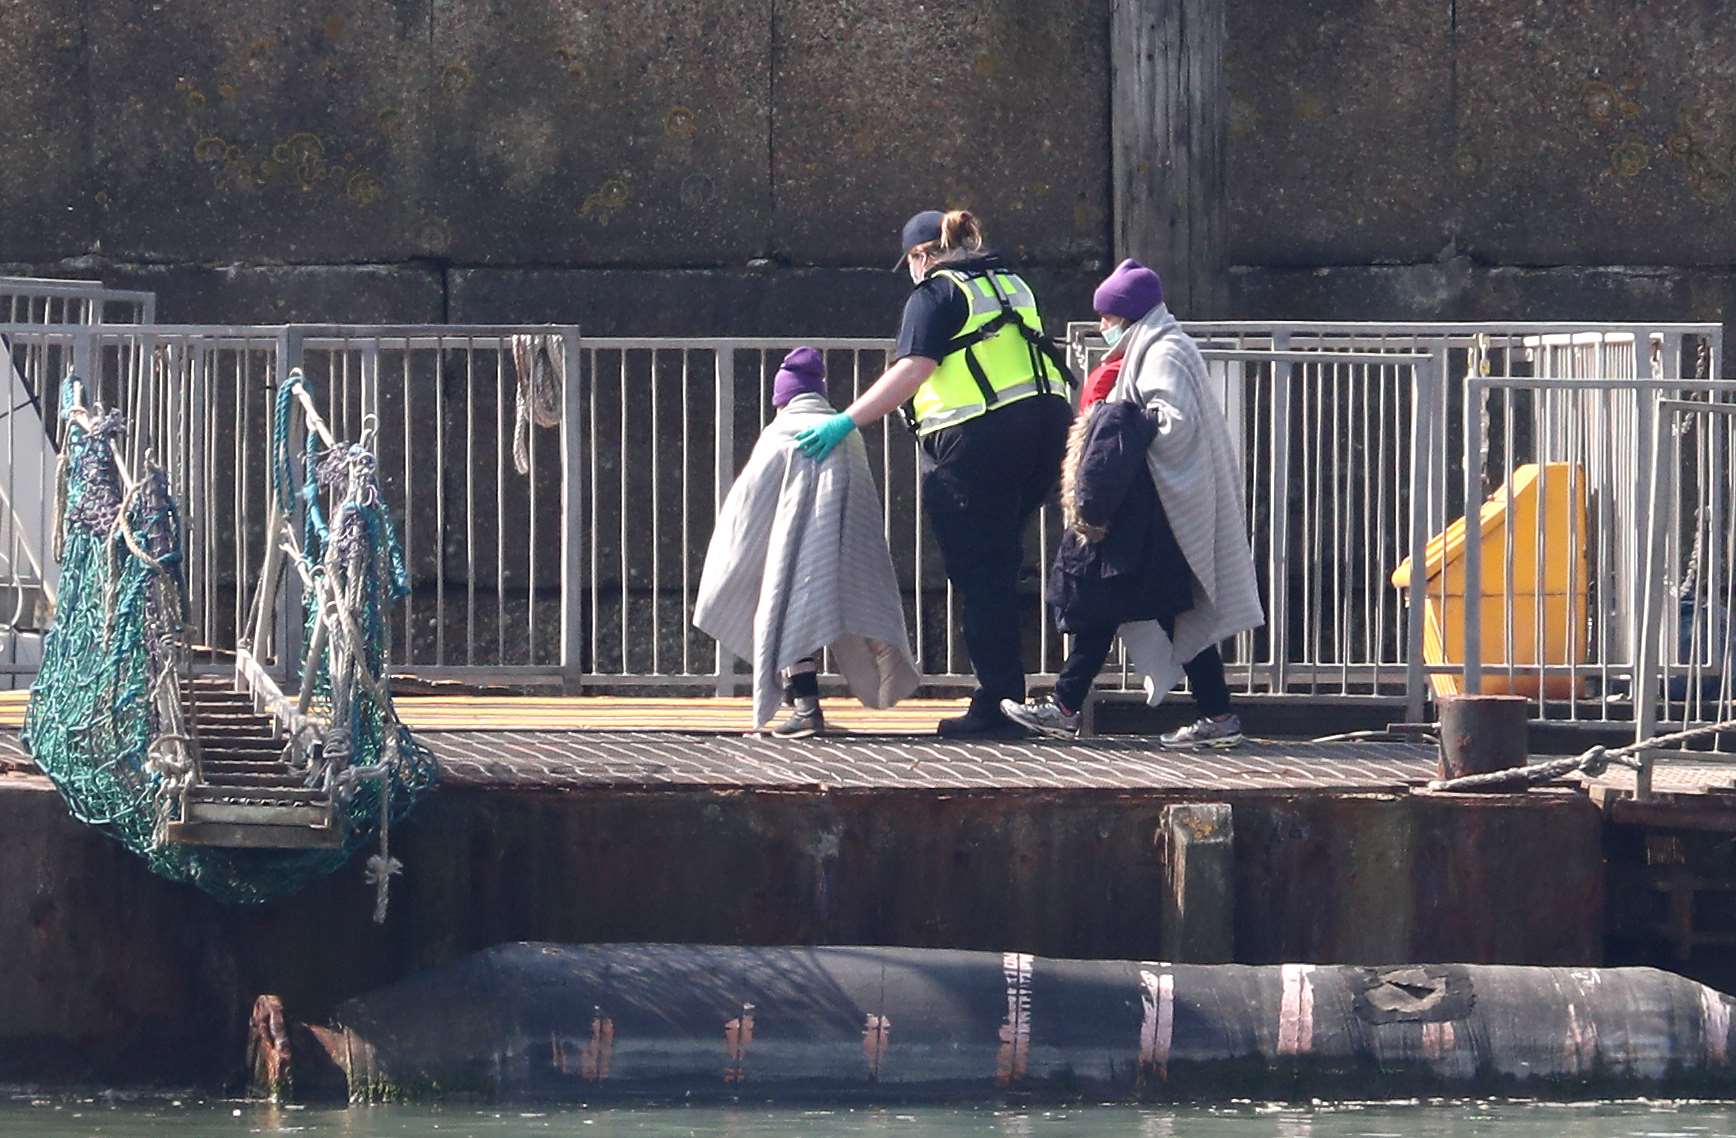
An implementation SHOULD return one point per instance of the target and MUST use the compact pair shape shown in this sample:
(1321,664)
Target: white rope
(541,370)
(1591,763)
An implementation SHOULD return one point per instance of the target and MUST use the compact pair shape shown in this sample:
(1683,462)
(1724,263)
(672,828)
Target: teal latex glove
(817,442)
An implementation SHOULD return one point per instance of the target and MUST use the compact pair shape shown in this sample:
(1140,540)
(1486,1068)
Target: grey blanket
(1198,475)
(799,563)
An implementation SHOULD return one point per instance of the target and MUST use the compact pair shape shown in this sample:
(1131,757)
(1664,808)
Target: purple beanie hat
(803,372)
(1129,292)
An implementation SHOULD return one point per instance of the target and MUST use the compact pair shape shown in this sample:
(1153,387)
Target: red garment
(1098,383)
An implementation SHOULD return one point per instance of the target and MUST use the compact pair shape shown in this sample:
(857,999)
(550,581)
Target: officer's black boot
(983,720)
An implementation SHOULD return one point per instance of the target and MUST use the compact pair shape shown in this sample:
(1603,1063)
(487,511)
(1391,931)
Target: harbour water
(111,1118)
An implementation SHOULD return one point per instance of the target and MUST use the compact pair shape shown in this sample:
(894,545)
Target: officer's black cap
(919,230)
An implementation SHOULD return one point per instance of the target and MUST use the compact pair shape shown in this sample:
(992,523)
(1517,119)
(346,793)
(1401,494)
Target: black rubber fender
(587,1023)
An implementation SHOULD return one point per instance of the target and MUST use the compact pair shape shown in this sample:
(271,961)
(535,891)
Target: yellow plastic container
(1550,578)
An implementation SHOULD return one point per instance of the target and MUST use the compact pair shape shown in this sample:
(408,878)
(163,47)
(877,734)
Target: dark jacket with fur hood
(1118,560)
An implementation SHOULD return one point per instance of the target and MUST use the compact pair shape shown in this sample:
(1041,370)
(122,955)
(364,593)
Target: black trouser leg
(986,479)
(1205,675)
(982,561)
(1084,662)
(1211,691)
(802,680)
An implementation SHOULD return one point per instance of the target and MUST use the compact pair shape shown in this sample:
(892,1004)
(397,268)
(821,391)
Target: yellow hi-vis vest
(1000,356)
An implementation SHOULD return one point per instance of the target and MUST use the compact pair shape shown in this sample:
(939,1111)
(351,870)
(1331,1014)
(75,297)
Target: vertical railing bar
(1422,429)
(1509,529)
(596,523)
(438,482)
(723,466)
(1573,421)
(502,448)
(1373,498)
(656,526)
(1653,603)
(1671,424)
(919,551)
(208,415)
(1278,551)
(1316,539)
(1343,401)
(1698,633)
(572,518)
(1386,539)
(686,520)
(1722,526)
(1541,439)
(243,382)
(409,476)
(533,580)
(626,667)
(1472,604)
(469,497)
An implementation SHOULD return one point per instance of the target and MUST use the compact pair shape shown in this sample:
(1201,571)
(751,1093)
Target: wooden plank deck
(521,740)
(615,713)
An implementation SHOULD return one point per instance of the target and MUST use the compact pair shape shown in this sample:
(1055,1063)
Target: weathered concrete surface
(1456,289)
(1340,131)
(260,132)
(119,977)
(571,132)
(45,175)
(1596,132)
(650,134)
(884,109)
(280,294)
(862,302)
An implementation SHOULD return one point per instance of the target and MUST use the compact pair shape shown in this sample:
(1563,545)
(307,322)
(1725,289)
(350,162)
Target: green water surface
(76,1118)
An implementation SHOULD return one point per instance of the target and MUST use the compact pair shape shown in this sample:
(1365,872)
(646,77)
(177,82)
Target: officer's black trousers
(983,480)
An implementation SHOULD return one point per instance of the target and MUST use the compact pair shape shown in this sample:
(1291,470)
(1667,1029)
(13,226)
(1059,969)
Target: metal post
(1473,599)
(1278,555)
(1422,432)
(289,635)
(371,386)
(572,518)
(1646,436)
(1654,604)
(84,363)
(723,471)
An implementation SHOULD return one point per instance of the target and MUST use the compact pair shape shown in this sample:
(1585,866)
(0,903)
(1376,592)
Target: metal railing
(1328,448)
(1359,442)
(27,575)
(1469,362)
(492,552)
(46,300)
(1686,676)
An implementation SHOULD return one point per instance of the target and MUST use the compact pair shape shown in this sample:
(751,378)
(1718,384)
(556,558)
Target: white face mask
(1112,334)
(915,270)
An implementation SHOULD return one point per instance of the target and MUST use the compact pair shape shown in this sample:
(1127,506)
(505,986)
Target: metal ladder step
(247,832)
(244,781)
(241,761)
(225,741)
(290,794)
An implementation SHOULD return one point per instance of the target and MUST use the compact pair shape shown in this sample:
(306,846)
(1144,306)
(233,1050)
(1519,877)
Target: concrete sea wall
(740,166)
(117,977)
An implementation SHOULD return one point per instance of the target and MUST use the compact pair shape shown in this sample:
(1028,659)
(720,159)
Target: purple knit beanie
(803,372)
(1129,292)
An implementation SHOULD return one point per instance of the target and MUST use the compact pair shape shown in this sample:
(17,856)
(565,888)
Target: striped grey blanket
(798,562)
(1198,475)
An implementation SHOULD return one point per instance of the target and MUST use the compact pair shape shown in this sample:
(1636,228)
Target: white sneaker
(1218,734)
(1044,716)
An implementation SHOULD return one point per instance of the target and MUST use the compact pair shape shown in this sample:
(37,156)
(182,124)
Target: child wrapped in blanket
(798,565)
